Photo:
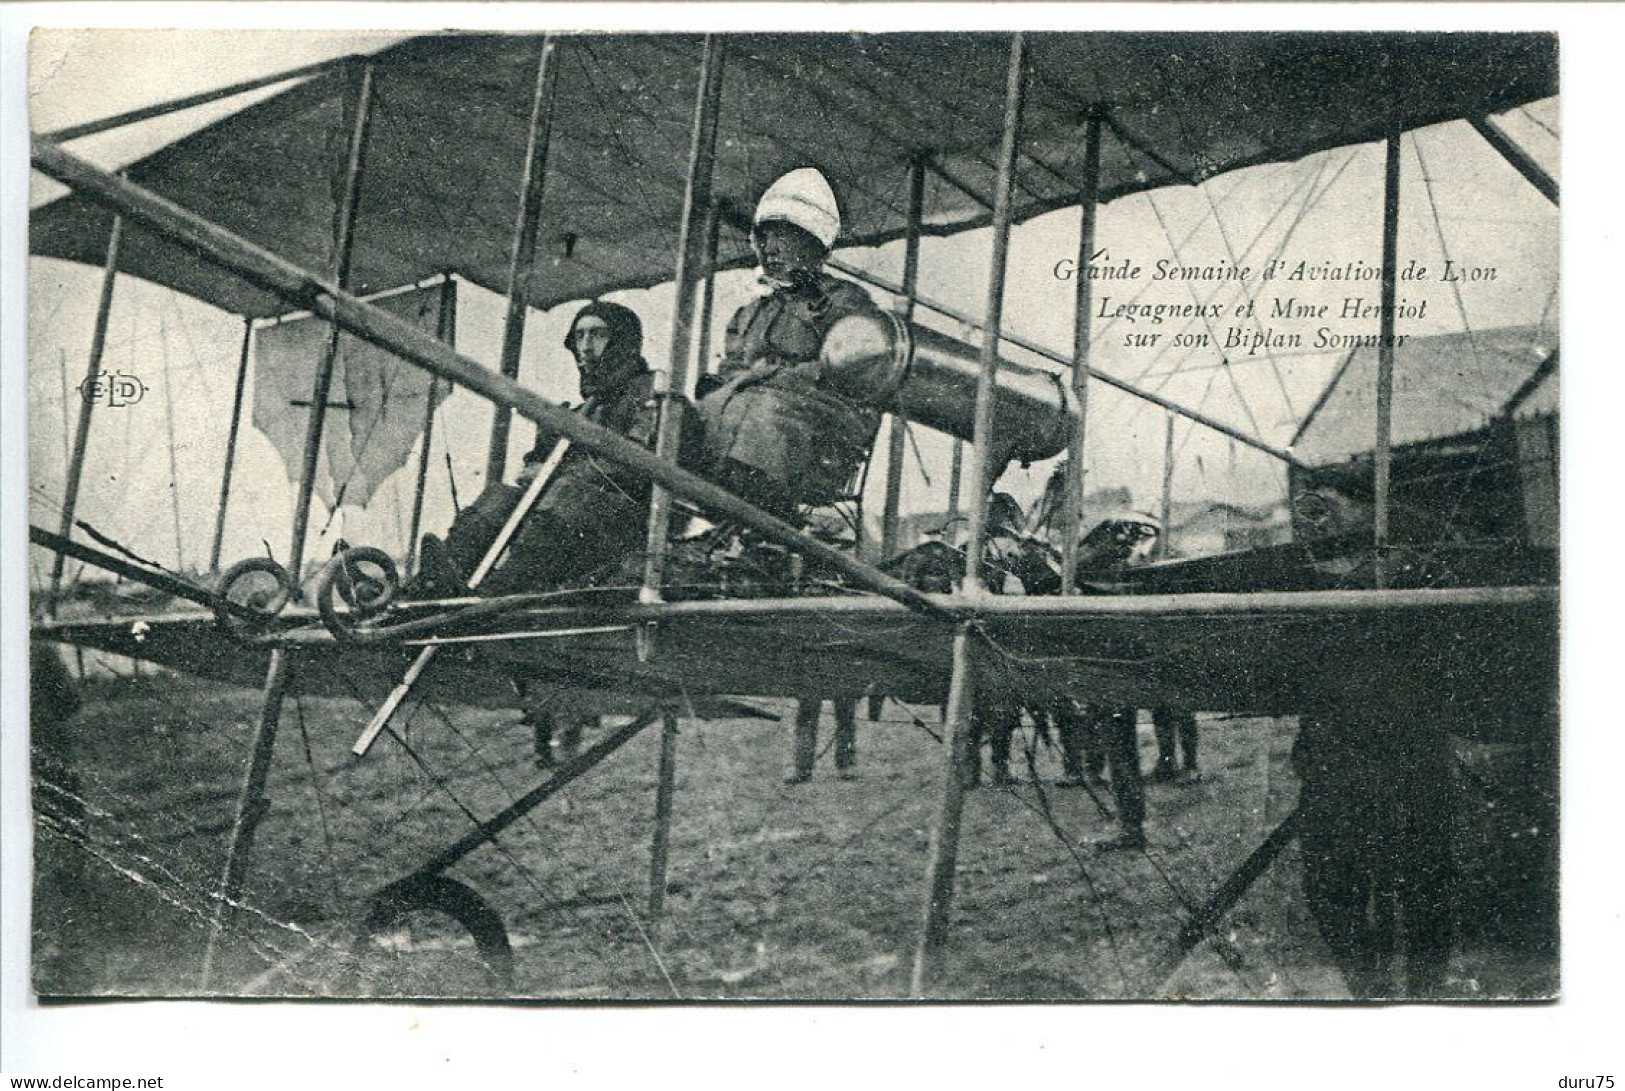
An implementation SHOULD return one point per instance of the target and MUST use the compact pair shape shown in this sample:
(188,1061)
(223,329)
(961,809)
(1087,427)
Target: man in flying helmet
(777,434)
(592,512)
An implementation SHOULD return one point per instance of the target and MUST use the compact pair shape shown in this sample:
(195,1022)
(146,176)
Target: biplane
(563,167)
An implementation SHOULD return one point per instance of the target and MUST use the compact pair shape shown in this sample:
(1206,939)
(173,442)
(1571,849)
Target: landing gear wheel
(258,583)
(441,895)
(364,579)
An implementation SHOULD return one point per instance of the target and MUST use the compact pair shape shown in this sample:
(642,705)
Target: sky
(1463,202)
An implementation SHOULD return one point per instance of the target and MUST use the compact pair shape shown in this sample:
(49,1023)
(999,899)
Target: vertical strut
(251,808)
(665,790)
(696,196)
(1167,511)
(81,435)
(708,292)
(1076,470)
(527,226)
(169,427)
(446,330)
(231,444)
(251,801)
(899,427)
(1382,455)
(343,248)
(962,684)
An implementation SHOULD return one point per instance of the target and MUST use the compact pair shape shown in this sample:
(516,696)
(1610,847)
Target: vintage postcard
(941,515)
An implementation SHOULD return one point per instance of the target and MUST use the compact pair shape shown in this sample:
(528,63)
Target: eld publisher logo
(116,389)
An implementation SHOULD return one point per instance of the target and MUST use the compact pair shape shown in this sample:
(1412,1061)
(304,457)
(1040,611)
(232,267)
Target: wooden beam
(697,203)
(899,427)
(251,810)
(1521,161)
(87,402)
(1082,323)
(446,331)
(1382,456)
(665,792)
(522,259)
(962,683)
(343,250)
(231,444)
(1167,513)
(160,109)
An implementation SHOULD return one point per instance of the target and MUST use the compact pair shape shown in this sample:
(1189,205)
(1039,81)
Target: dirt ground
(777,892)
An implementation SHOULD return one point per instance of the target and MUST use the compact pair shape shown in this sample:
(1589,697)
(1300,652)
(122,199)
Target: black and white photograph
(746,515)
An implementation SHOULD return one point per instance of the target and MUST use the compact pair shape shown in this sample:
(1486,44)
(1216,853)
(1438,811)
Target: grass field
(777,892)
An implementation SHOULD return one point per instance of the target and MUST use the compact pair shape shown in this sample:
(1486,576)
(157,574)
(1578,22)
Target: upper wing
(449,130)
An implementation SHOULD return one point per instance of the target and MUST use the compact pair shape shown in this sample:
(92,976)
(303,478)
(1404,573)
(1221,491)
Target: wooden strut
(689,260)
(962,684)
(1211,912)
(696,257)
(1166,513)
(378,327)
(889,517)
(522,260)
(1520,160)
(708,293)
(446,330)
(251,802)
(251,809)
(343,251)
(665,793)
(87,404)
(1382,455)
(169,434)
(161,109)
(163,581)
(1082,329)
(493,553)
(231,444)
(561,776)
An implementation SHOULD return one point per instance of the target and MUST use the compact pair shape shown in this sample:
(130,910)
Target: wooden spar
(962,684)
(169,430)
(696,196)
(708,292)
(251,802)
(376,326)
(343,248)
(1383,453)
(944,847)
(561,776)
(446,331)
(1536,175)
(982,471)
(1082,327)
(160,109)
(1060,358)
(522,261)
(251,808)
(665,790)
(493,554)
(1167,511)
(899,427)
(231,444)
(1207,916)
(87,401)
(956,475)
(62,405)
